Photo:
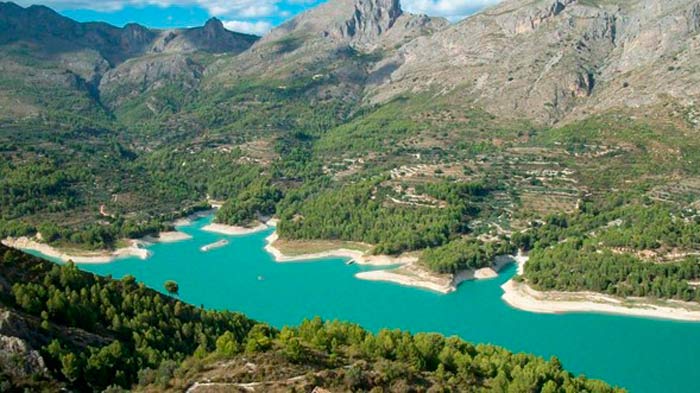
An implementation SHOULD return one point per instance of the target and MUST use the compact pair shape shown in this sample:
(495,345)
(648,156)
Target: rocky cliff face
(655,57)
(552,59)
(534,60)
(371,20)
(361,24)
(337,41)
(544,60)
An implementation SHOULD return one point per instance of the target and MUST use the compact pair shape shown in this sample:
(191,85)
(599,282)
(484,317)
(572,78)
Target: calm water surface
(642,355)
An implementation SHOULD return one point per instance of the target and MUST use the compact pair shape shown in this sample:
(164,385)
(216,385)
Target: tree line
(464,254)
(360,212)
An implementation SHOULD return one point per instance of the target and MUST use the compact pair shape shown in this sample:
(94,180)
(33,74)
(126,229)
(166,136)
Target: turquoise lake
(642,355)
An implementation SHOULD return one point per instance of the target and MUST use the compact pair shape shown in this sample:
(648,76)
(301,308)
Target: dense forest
(618,247)
(256,200)
(98,333)
(464,254)
(138,327)
(573,266)
(358,212)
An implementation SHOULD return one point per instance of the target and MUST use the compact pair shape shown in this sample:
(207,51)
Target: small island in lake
(215,245)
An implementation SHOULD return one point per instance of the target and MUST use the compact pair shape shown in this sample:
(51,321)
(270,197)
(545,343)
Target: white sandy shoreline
(168,237)
(133,250)
(521,296)
(408,272)
(232,230)
(356,256)
(414,275)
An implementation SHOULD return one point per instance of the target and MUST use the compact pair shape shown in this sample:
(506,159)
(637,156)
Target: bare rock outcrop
(552,60)
(149,73)
(19,360)
(359,23)
(534,60)
(335,42)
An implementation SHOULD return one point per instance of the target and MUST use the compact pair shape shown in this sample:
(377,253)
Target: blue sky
(249,16)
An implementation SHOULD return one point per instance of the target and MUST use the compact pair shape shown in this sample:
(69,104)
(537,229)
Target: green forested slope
(620,249)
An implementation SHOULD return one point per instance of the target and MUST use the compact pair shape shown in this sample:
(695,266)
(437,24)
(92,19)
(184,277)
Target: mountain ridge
(102,64)
(547,61)
(116,44)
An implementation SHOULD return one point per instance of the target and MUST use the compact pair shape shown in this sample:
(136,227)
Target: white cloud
(450,9)
(239,8)
(257,11)
(242,8)
(240,26)
(252,9)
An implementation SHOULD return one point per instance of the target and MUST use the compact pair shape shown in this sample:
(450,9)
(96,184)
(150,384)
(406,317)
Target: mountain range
(545,60)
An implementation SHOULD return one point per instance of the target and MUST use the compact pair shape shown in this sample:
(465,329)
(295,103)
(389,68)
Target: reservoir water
(642,355)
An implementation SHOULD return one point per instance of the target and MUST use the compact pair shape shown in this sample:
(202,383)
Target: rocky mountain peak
(370,19)
(361,24)
(555,60)
(374,16)
(212,37)
(515,17)
(214,27)
(134,38)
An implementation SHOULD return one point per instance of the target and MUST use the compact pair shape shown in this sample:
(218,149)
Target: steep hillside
(549,60)
(89,61)
(337,40)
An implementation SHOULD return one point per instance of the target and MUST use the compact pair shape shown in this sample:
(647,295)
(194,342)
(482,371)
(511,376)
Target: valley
(427,151)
